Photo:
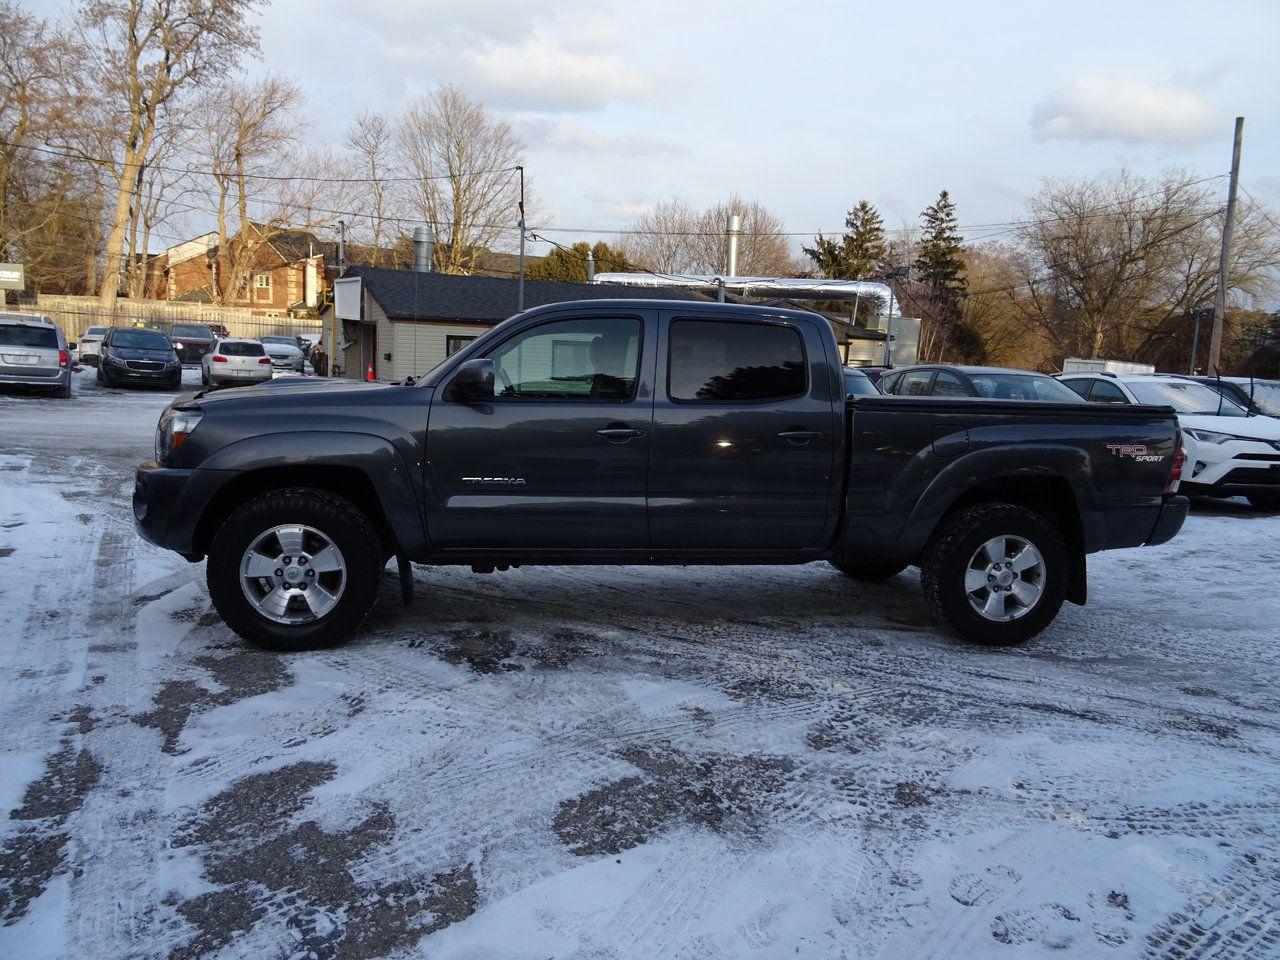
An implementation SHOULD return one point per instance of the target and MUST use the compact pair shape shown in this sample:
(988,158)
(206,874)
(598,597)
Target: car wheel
(295,569)
(869,572)
(1265,501)
(995,573)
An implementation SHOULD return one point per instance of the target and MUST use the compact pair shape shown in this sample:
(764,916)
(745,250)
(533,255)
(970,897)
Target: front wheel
(295,569)
(995,573)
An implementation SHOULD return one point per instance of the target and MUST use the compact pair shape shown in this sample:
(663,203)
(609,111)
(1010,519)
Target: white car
(285,354)
(1229,453)
(233,362)
(90,344)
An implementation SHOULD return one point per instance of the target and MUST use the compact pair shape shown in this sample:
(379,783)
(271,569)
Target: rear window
(140,339)
(241,350)
(193,331)
(96,332)
(857,384)
(1014,386)
(16,336)
(735,362)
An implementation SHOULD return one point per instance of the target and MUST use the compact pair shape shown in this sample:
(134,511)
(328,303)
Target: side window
(1078,385)
(1106,392)
(734,362)
(595,358)
(948,385)
(888,383)
(914,383)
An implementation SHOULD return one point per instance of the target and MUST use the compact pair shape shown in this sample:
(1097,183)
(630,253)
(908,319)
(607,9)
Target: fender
(962,474)
(373,456)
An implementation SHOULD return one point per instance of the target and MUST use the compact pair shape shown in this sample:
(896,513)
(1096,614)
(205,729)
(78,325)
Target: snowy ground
(743,762)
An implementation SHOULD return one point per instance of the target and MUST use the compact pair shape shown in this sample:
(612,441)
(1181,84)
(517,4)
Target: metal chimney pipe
(424,240)
(732,229)
(591,267)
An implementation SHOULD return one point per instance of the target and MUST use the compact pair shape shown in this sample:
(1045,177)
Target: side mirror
(72,344)
(474,381)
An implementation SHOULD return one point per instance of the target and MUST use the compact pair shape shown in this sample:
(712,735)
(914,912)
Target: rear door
(744,434)
(558,457)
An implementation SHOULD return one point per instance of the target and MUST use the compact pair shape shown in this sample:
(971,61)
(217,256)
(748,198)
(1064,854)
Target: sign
(12,276)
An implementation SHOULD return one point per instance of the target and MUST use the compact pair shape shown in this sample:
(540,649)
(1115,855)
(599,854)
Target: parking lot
(656,762)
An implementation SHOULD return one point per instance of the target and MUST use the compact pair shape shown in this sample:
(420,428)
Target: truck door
(744,430)
(558,457)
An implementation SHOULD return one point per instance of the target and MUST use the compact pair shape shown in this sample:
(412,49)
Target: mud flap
(406,578)
(1077,577)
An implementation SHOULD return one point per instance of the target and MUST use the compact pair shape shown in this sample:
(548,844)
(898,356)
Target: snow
(584,762)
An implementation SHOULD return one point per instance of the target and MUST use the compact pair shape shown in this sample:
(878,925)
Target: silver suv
(34,351)
(233,361)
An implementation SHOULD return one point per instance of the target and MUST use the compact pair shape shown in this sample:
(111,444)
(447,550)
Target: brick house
(287,276)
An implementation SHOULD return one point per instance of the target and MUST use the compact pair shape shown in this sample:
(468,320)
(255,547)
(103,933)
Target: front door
(744,435)
(558,457)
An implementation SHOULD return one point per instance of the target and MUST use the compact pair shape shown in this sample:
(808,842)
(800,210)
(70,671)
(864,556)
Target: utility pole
(520,285)
(342,247)
(1220,298)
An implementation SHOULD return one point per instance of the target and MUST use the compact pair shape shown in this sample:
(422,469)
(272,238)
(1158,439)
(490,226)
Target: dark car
(858,384)
(652,432)
(992,383)
(191,341)
(1261,398)
(138,355)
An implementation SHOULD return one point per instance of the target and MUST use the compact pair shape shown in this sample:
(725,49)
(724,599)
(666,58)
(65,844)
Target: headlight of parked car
(1212,436)
(173,429)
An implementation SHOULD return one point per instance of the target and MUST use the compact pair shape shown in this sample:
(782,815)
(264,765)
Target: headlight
(1212,436)
(173,429)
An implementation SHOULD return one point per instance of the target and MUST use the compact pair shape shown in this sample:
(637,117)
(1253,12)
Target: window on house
(453,344)
(262,286)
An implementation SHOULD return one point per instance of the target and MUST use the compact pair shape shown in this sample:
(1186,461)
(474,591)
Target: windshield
(857,385)
(1018,386)
(1184,397)
(140,339)
(241,350)
(289,340)
(16,336)
(1266,396)
(95,331)
(192,331)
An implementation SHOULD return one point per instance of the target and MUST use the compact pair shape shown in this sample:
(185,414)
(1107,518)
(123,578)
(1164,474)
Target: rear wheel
(295,569)
(995,573)
(869,572)
(1265,501)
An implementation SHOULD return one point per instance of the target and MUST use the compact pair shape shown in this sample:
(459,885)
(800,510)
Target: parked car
(235,363)
(1229,453)
(308,342)
(138,355)
(285,353)
(566,435)
(34,352)
(89,344)
(993,383)
(1258,397)
(192,341)
(858,384)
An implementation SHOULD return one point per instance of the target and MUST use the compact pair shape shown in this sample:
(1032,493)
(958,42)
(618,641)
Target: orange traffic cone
(368,374)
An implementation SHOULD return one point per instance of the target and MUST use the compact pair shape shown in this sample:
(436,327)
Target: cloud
(569,136)
(549,73)
(1129,111)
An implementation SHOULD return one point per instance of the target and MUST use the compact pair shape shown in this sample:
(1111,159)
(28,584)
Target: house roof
(406,295)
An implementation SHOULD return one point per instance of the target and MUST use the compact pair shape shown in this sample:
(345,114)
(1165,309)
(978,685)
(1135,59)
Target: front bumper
(158,510)
(163,375)
(1234,468)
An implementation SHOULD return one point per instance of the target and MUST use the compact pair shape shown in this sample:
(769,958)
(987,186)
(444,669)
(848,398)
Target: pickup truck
(647,432)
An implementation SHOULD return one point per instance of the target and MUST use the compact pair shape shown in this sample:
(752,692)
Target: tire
(1265,501)
(869,572)
(346,527)
(957,542)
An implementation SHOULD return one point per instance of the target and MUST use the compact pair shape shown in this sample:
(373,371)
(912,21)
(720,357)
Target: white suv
(1229,453)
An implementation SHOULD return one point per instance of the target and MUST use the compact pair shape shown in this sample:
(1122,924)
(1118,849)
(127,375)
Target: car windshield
(241,350)
(289,340)
(1022,386)
(856,384)
(192,331)
(140,339)
(22,336)
(1266,396)
(95,331)
(1185,397)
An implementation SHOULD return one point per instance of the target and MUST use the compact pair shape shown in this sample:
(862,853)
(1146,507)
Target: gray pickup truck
(647,432)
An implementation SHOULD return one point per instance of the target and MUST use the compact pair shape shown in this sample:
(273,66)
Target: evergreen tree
(940,275)
(569,264)
(858,253)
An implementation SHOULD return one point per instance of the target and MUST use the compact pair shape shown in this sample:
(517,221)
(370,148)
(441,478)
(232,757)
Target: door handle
(619,433)
(800,437)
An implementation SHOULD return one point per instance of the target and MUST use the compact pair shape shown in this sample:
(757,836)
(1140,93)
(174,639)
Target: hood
(295,386)
(139,353)
(281,351)
(1255,428)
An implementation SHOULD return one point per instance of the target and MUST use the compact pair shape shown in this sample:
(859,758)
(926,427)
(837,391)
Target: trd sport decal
(1138,451)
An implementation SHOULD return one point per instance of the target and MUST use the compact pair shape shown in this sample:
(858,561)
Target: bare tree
(676,238)
(372,141)
(135,58)
(464,159)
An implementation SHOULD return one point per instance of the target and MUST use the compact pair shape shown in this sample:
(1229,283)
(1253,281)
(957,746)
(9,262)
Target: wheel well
(1052,498)
(347,482)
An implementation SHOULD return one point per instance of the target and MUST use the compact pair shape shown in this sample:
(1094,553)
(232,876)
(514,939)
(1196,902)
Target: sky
(807,107)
